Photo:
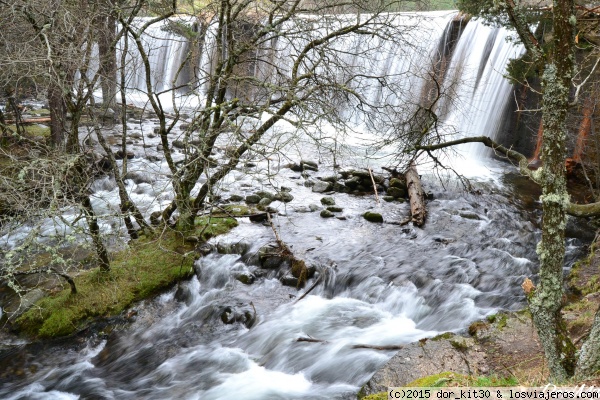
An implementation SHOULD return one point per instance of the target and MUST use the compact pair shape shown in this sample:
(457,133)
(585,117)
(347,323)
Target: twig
(374,186)
(369,346)
(314,285)
(310,340)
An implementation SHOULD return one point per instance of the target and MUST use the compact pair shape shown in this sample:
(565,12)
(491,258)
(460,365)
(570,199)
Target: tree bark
(416,195)
(58,116)
(92,220)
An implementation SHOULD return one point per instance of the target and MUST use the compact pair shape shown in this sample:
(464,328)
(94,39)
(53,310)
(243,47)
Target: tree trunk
(58,116)
(108,60)
(92,221)
(547,300)
(589,356)
(416,195)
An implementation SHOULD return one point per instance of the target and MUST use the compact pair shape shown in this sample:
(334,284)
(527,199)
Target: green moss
(147,267)
(446,335)
(436,380)
(376,396)
(35,130)
(454,379)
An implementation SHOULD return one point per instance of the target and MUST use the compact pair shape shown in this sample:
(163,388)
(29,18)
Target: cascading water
(378,284)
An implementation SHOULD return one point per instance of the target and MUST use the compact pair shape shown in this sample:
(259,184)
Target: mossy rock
(373,217)
(335,209)
(398,183)
(328,201)
(252,199)
(265,195)
(396,192)
(327,214)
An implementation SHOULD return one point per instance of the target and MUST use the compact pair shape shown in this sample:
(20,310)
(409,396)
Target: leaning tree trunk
(589,356)
(546,301)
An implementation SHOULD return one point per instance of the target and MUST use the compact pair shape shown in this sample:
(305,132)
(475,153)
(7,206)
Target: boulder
(320,187)
(327,214)
(328,201)
(252,199)
(284,197)
(335,209)
(396,192)
(373,216)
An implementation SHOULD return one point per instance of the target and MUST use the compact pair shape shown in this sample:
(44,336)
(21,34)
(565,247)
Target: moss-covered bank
(148,266)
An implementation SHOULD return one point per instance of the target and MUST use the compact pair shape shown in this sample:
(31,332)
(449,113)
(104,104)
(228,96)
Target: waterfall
(468,61)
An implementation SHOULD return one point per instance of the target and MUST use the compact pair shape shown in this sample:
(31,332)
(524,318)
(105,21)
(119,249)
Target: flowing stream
(378,284)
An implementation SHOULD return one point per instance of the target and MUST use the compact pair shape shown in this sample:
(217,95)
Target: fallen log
(416,195)
(40,120)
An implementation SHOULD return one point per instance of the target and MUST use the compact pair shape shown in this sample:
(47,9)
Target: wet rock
(396,192)
(178,144)
(139,177)
(154,158)
(446,353)
(335,209)
(184,127)
(205,249)
(264,202)
(265,195)
(388,198)
(309,183)
(135,135)
(373,216)
(119,155)
(327,214)
(289,280)
(151,135)
(155,218)
(352,183)
(320,187)
(284,197)
(285,189)
(183,295)
(246,278)
(236,198)
(328,201)
(398,183)
(252,199)
(302,209)
(469,215)
(240,248)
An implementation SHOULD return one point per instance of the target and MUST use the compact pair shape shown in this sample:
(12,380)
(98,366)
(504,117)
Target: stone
(373,217)
(388,198)
(398,183)
(327,214)
(236,198)
(396,192)
(289,280)
(264,202)
(184,127)
(265,195)
(446,353)
(335,209)
(320,187)
(246,278)
(135,135)
(252,199)
(328,201)
(352,183)
(183,295)
(240,248)
(284,197)
(119,155)
(139,177)
(470,215)
(178,144)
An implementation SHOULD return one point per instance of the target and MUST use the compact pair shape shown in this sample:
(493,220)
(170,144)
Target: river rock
(396,192)
(245,277)
(240,248)
(373,216)
(447,352)
(264,202)
(398,183)
(135,135)
(139,177)
(265,195)
(235,198)
(252,199)
(178,144)
(335,209)
(327,214)
(321,186)
(284,197)
(289,280)
(388,198)
(183,295)
(328,201)
(119,155)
